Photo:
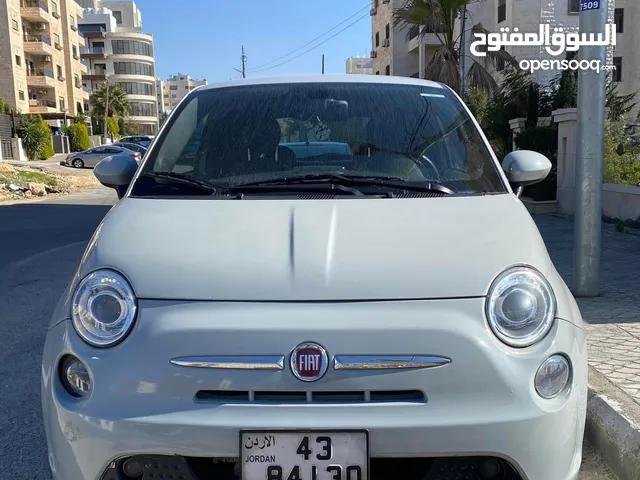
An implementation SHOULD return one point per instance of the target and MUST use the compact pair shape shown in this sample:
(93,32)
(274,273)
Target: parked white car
(391,313)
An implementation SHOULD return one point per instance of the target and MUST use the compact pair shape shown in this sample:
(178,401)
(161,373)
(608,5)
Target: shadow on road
(41,245)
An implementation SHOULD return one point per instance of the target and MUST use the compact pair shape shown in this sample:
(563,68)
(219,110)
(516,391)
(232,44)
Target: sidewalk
(613,318)
(612,321)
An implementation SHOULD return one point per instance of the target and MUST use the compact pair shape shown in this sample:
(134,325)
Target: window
(574,6)
(378,72)
(118,16)
(139,109)
(377,39)
(386,31)
(136,88)
(61,100)
(131,47)
(56,39)
(54,7)
(618,19)
(16,27)
(617,72)
(21,94)
(231,136)
(75,51)
(72,21)
(173,87)
(186,87)
(60,73)
(18,60)
(387,70)
(133,68)
(502,10)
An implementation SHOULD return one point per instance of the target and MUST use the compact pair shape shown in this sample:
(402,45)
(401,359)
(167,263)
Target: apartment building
(39,53)
(400,52)
(175,88)
(359,65)
(119,52)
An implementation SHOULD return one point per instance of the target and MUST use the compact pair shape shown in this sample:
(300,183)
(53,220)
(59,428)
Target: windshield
(238,135)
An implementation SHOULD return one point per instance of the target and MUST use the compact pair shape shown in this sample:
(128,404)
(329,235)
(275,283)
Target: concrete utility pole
(244,64)
(590,152)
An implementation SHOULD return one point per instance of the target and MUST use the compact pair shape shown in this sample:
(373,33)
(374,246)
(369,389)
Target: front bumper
(482,404)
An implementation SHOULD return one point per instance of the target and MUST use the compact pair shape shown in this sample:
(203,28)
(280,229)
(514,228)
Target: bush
(47,150)
(114,129)
(79,137)
(34,137)
(621,163)
(543,140)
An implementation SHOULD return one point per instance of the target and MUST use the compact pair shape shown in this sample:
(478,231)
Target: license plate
(304,455)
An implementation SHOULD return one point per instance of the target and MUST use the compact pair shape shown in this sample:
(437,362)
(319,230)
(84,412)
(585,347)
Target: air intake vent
(316,196)
(301,397)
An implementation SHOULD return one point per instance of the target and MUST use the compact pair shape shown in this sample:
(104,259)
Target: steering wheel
(433,167)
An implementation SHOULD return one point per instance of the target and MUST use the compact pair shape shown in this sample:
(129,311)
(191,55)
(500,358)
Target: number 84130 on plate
(304,455)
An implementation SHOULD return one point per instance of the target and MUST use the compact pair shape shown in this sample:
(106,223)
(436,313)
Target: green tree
(47,151)
(114,128)
(34,137)
(439,17)
(478,102)
(621,163)
(118,102)
(79,136)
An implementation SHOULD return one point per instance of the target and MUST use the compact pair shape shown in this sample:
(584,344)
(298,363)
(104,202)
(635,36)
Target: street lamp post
(106,111)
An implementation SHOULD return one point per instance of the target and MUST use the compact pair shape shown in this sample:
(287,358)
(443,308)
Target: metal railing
(37,38)
(94,50)
(39,72)
(34,4)
(92,29)
(43,103)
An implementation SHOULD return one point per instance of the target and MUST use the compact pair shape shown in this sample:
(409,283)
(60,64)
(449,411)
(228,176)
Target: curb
(613,426)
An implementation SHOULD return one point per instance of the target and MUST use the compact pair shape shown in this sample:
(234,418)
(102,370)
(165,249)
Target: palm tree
(439,17)
(118,101)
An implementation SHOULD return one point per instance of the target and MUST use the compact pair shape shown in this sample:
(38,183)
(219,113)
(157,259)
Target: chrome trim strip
(389,362)
(248,362)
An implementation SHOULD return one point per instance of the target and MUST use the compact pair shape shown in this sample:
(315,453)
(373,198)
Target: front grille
(156,467)
(301,397)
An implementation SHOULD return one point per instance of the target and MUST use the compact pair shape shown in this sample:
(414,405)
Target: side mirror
(116,172)
(525,167)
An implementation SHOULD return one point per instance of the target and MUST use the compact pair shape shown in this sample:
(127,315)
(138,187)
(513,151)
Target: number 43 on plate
(305,456)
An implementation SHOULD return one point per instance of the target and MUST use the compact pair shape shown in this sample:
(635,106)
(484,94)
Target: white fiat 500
(377,306)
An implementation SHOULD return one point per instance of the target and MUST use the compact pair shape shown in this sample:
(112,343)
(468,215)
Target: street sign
(589,5)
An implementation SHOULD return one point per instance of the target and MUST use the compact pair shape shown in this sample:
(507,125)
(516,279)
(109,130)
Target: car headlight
(521,306)
(104,308)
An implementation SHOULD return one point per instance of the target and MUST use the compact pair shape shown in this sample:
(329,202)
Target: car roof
(337,78)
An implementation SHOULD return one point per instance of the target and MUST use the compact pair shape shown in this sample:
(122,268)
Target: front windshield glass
(237,135)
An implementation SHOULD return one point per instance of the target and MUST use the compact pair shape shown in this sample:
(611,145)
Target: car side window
(112,150)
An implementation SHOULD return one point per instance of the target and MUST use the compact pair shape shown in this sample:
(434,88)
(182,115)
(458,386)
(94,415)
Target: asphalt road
(40,247)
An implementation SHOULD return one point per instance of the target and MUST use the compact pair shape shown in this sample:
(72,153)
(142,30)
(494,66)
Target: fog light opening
(75,376)
(490,469)
(133,468)
(553,376)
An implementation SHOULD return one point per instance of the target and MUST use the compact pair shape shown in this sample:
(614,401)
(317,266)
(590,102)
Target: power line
(367,6)
(313,48)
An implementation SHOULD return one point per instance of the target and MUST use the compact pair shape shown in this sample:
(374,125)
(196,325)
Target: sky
(204,38)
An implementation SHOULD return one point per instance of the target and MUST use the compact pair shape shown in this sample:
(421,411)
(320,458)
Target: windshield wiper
(186,180)
(352,180)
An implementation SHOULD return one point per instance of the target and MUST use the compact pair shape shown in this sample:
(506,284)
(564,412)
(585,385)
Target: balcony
(95,53)
(42,106)
(40,77)
(34,11)
(96,75)
(429,37)
(93,31)
(37,45)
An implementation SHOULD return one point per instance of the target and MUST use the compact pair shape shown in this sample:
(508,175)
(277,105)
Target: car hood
(305,250)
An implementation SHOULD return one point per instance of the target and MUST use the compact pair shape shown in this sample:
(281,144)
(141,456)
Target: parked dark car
(135,147)
(144,140)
